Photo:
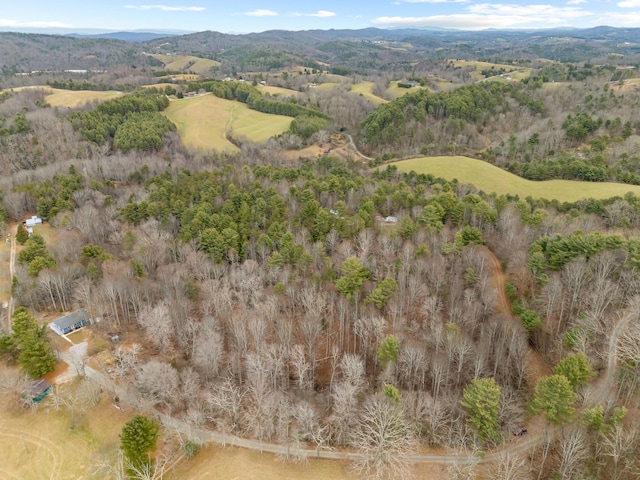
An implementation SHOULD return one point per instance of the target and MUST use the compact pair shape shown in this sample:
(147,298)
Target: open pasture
(229,463)
(180,62)
(397,91)
(41,445)
(366,90)
(204,121)
(516,72)
(490,179)
(72,98)
(277,91)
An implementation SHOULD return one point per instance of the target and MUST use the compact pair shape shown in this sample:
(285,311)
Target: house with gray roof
(70,322)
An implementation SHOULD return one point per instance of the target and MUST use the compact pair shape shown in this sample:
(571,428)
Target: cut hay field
(283,92)
(40,445)
(179,62)
(366,90)
(72,98)
(514,71)
(203,122)
(229,463)
(492,179)
(397,91)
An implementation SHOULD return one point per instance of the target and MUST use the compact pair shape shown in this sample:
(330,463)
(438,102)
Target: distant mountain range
(126,36)
(367,50)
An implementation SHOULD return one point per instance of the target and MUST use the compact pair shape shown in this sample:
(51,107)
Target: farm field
(179,62)
(490,179)
(285,92)
(73,98)
(51,450)
(229,463)
(515,72)
(203,122)
(366,90)
(397,91)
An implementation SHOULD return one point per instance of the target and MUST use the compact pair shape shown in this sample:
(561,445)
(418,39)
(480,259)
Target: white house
(34,220)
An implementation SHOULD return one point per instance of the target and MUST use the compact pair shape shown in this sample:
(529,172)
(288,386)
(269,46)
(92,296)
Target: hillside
(255,274)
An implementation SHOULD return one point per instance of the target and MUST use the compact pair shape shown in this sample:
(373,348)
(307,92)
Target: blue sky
(256,16)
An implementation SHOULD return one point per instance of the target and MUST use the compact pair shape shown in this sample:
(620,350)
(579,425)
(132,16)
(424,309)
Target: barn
(70,322)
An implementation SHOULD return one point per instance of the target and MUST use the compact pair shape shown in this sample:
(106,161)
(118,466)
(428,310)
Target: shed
(39,389)
(70,322)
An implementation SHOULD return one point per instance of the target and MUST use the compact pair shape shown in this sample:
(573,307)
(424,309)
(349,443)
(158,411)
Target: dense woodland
(276,300)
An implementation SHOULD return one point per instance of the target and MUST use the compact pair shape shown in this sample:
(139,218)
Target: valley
(321,254)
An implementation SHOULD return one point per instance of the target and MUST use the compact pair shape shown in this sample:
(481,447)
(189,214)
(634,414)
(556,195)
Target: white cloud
(576,2)
(261,13)
(542,12)
(166,8)
(617,19)
(13,23)
(629,4)
(490,15)
(319,13)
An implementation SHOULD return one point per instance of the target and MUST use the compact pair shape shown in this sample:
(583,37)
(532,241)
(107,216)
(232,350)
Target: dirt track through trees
(536,365)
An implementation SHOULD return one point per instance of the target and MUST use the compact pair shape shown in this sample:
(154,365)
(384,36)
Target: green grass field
(72,98)
(203,122)
(283,92)
(514,71)
(179,62)
(397,91)
(41,445)
(491,179)
(366,90)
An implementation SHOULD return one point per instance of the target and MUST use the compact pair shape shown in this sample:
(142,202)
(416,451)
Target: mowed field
(492,179)
(229,463)
(366,90)
(73,98)
(203,122)
(40,445)
(179,62)
(514,71)
(271,90)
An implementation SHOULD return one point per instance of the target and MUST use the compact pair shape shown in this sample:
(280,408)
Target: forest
(334,302)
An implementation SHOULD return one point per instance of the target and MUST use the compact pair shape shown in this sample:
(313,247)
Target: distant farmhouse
(33,221)
(70,322)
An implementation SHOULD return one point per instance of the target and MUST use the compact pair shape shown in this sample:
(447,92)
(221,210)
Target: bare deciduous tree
(383,439)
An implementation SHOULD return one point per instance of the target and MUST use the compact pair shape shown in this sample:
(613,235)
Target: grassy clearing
(53,450)
(366,90)
(179,62)
(277,91)
(203,121)
(490,179)
(76,98)
(397,91)
(72,98)
(229,463)
(514,71)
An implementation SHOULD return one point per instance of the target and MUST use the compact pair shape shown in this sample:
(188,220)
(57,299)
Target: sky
(257,16)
